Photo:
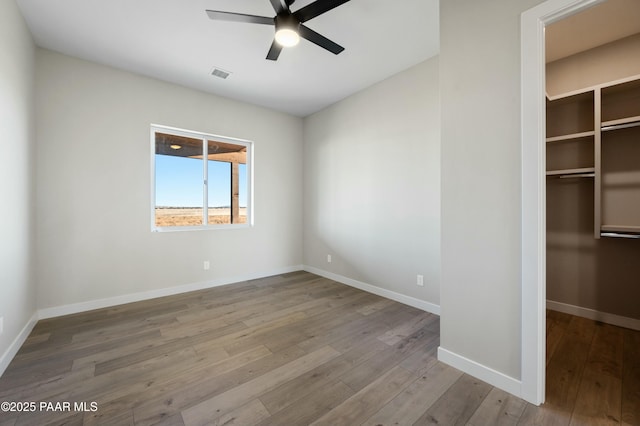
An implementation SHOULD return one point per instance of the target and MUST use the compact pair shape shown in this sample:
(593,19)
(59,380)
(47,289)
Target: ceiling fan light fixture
(289,26)
(287,30)
(287,37)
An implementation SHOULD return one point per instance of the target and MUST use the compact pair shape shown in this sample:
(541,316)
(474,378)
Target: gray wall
(581,271)
(17,284)
(93,185)
(603,64)
(372,185)
(481,185)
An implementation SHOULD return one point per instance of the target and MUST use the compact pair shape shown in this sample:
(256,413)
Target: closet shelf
(571,136)
(623,123)
(583,172)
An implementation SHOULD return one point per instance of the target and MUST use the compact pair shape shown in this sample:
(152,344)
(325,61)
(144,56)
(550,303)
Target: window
(190,193)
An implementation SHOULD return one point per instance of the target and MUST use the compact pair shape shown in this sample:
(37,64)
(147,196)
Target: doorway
(533,159)
(534,185)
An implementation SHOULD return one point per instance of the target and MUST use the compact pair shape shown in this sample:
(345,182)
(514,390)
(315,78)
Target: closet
(593,216)
(593,174)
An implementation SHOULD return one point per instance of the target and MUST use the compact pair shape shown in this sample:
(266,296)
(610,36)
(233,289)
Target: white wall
(481,195)
(372,185)
(17,284)
(93,185)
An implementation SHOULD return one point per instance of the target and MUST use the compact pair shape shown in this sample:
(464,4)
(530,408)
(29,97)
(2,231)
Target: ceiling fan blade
(319,39)
(239,17)
(317,8)
(274,51)
(278,6)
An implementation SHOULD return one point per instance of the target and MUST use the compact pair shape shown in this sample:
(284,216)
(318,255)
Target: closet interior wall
(593,182)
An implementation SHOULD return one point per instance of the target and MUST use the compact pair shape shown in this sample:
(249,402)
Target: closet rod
(572,175)
(577,175)
(619,235)
(621,126)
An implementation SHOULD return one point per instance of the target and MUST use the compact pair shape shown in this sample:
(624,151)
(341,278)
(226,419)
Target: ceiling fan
(288,25)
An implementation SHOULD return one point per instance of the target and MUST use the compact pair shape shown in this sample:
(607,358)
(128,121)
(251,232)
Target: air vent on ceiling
(217,72)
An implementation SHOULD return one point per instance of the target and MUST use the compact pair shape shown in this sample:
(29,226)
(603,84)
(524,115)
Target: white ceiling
(598,25)
(175,41)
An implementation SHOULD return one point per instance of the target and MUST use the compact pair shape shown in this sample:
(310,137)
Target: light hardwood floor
(299,349)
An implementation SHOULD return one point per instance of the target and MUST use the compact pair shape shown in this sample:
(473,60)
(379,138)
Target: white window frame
(205,137)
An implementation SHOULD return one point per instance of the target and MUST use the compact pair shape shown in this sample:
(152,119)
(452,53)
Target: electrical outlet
(206,265)
(420,280)
(328,258)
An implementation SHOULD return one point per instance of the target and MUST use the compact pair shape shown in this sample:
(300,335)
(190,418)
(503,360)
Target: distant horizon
(196,207)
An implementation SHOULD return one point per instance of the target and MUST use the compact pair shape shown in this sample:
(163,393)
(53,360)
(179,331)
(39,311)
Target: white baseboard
(613,319)
(17,343)
(398,297)
(75,308)
(482,372)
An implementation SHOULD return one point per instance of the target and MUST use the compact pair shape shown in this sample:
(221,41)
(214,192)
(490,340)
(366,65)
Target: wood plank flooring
(298,349)
(593,372)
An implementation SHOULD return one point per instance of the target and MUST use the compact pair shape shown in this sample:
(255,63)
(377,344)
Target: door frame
(533,159)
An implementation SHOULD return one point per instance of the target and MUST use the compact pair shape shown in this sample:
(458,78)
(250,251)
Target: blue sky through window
(179,182)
